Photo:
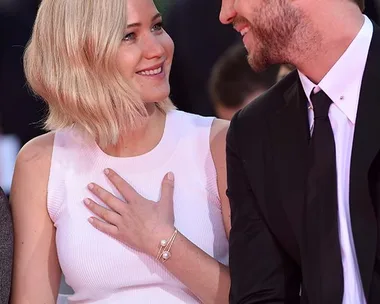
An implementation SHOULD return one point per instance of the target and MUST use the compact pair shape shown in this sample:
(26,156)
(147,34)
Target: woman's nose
(153,47)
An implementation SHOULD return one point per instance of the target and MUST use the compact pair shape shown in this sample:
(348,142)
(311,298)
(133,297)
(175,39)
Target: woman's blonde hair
(70,62)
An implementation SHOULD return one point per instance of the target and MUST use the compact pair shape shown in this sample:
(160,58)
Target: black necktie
(322,236)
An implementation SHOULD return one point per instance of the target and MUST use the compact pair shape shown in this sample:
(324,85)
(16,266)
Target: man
(6,249)
(233,84)
(303,160)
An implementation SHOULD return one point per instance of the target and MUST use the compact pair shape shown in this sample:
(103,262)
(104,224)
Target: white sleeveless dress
(99,268)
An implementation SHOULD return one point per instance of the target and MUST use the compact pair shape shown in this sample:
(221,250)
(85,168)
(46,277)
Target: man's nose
(227,12)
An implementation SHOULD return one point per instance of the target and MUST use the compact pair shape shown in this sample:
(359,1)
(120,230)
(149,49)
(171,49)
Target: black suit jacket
(266,167)
(6,249)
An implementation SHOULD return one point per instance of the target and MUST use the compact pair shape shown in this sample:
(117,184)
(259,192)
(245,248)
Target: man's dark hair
(360,3)
(233,80)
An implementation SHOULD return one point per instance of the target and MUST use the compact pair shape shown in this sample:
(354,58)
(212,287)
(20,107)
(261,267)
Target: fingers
(108,198)
(125,189)
(167,189)
(104,213)
(104,227)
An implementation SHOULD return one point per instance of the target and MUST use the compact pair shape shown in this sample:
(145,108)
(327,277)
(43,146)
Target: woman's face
(146,52)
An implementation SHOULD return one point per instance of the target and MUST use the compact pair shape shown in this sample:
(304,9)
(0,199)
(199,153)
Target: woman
(102,66)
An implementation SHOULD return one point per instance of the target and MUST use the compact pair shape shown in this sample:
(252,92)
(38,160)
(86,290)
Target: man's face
(267,28)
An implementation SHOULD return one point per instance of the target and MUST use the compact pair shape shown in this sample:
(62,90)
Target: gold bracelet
(164,251)
(163,245)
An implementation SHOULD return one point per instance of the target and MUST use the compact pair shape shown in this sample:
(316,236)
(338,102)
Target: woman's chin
(158,97)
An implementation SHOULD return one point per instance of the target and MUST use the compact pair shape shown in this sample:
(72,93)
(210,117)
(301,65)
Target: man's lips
(242,28)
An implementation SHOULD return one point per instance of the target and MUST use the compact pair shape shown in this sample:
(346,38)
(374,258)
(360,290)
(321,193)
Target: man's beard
(261,59)
(274,31)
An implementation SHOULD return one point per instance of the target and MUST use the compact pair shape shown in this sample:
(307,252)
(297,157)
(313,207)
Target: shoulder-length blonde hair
(70,62)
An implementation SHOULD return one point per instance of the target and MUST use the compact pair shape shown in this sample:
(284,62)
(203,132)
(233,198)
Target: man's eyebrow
(158,15)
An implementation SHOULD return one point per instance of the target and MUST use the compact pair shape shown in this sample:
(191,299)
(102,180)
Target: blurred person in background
(303,160)
(284,70)
(103,69)
(199,40)
(233,84)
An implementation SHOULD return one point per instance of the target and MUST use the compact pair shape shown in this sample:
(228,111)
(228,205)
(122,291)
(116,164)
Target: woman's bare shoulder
(32,168)
(37,151)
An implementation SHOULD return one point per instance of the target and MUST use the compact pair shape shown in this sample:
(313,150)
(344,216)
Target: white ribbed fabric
(99,268)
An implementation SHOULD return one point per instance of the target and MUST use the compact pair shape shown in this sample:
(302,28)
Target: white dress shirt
(342,84)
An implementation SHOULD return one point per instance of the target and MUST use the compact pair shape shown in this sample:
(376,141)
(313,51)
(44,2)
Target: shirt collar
(342,83)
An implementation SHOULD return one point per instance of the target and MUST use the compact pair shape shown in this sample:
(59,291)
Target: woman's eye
(157,27)
(129,37)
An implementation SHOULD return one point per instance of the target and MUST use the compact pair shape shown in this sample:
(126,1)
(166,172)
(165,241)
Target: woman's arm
(208,279)
(218,150)
(203,275)
(36,272)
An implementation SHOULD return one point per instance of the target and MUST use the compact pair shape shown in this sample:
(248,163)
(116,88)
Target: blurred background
(209,69)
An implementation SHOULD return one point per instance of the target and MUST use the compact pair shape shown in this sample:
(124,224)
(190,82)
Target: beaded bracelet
(165,245)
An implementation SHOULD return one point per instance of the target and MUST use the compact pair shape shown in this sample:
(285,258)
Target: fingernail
(106,171)
(171,176)
(87,201)
(90,186)
(91,220)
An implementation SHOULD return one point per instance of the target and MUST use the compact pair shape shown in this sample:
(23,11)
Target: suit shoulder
(266,104)
(255,115)
(269,101)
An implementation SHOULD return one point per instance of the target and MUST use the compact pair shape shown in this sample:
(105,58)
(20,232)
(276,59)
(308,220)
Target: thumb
(167,190)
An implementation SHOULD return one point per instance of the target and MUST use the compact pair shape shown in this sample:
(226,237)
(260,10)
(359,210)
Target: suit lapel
(289,136)
(366,145)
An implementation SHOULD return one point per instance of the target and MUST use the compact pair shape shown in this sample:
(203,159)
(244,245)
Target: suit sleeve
(261,272)
(6,249)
